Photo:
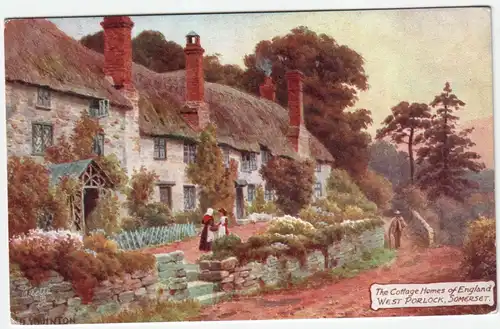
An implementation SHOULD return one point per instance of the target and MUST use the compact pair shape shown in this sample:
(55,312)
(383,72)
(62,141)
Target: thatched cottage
(149,118)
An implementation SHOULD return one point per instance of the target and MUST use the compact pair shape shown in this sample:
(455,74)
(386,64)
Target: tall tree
(445,156)
(152,50)
(386,160)
(334,76)
(405,126)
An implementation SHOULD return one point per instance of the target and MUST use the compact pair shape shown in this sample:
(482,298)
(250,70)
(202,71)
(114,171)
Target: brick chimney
(268,89)
(195,110)
(118,50)
(295,107)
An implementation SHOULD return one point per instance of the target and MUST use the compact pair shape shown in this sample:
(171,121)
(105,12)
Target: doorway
(90,200)
(240,211)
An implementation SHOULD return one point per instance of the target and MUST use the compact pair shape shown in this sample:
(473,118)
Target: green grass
(368,261)
(156,311)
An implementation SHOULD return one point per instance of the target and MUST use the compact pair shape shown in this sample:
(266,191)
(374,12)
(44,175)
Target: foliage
(480,250)
(453,219)
(259,203)
(342,190)
(226,191)
(154,214)
(83,263)
(292,180)
(216,72)
(377,189)
(188,216)
(144,237)
(411,196)
(225,246)
(110,164)
(446,154)
(370,260)
(405,126)
(156,311)
(216,184)
(141,188)
(290,225)
(386,160)
(334,76)
(106,215)
(28,184)
(94,41)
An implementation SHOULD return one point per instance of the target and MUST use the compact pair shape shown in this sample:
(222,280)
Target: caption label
(432,294)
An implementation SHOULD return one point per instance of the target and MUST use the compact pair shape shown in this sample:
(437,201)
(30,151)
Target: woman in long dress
(208,232)
(223,221)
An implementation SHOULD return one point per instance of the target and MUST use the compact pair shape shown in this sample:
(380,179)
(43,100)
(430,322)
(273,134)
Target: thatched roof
(37,52)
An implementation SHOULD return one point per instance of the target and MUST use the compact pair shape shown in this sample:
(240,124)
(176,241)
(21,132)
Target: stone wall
(56,299)
(230,276)
(422,231)
(172,276)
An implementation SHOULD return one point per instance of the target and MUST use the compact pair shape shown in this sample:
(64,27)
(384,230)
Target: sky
(409,54)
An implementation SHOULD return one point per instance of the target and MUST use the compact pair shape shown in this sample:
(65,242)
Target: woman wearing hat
(223,221)
(209,231)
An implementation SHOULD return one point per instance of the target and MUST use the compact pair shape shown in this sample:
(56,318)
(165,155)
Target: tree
(334,75)
(208,170)
(94,42)
(216,72)
(445,156)
(386,160)
(152,50)
(292,180)
(377,189)
(405,126)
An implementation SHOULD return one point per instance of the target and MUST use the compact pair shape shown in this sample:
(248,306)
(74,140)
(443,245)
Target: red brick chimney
(195,110)
(118,50)
(267,89)
(295,106)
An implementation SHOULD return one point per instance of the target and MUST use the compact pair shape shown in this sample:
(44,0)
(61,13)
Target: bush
(226,246)
(141,188)
(480,250)
(290,225)
(106,214)
(292,181)
(83,263)
(154,214)
(189,216)
(376,188)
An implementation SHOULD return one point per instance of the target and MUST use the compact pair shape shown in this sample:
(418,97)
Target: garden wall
(55,301)
(421,229)
(274,271)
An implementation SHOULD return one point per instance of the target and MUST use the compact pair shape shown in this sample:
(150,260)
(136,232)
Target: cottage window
(265,156)
(251,193)
(318,191)
(42,137)
(268,194)
(225,156)
(166,195)
(160,148)
(43,98)
(248,162)
(98,145)
(189,153)
(318,167)
(189,198)
(99,108)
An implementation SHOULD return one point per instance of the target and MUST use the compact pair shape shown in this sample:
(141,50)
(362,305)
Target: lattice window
(160,148)
(99,108)
(318,167)
(43,98)
(318,191)
(265,156)
(251,193)
(268,194)
(98,145)
(42,137)
(166,195)
(189,198)
(248,162)
(225,157)
(189,153)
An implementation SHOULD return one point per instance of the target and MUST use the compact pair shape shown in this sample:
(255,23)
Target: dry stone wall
(172,276)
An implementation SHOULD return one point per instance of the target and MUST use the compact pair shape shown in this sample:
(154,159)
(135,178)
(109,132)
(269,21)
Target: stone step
(200,288)
(213,298)
(192,275)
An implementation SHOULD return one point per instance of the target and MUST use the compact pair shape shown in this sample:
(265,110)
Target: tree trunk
(410,154)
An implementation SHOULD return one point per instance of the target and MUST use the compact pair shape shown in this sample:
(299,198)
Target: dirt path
(190,246)
(350,297)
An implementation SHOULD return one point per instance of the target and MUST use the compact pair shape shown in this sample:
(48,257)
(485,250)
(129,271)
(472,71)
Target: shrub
(141,188)
(83,263)
(188,216)
(376,188)
(112,167)
(292,181)
(28,187)
(154,214)
(226,246)
(480,250)
(290,225)
(259,204)
(353,212)
(106,214)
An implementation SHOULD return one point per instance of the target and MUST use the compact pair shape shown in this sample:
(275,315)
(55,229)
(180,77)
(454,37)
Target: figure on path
(223,221)
(208,232)
(395,231)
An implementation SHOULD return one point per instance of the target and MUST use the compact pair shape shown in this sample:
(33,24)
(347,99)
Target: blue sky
(409,54)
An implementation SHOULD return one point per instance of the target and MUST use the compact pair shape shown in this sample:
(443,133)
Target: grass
(156,311)
(368,261)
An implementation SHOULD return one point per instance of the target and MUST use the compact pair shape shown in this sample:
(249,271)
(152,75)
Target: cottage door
(166,196)
(240,213)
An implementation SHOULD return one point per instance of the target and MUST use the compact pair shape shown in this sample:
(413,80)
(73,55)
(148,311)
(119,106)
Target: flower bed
(154,236)
(83,262)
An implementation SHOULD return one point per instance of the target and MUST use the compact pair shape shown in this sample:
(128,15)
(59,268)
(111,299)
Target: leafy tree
(334,75)
(216,72)
(152,50)
(292,180)
(386,160)
(141,188)
(445,156)
(343,190)
(94,41)
(405,126)
(226,190)
(376,188)
(208,170)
